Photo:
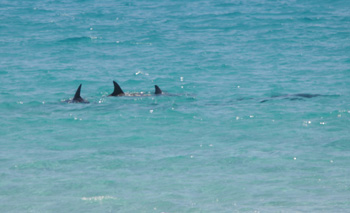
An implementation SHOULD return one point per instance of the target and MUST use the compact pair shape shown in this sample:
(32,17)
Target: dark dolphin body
(77,98)
(158,90)
(293,97)
(119,92)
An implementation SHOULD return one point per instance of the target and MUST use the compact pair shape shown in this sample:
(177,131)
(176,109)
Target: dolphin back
(158,91)
(77,96)
(117,90)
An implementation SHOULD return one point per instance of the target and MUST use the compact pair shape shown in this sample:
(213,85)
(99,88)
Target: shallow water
(232,136)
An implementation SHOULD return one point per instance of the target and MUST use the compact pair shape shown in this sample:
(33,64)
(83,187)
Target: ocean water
(256,117)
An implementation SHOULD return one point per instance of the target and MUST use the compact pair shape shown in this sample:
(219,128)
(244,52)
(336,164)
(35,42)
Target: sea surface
(255,115)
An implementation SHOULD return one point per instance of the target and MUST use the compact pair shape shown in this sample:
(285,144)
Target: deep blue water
(257,120)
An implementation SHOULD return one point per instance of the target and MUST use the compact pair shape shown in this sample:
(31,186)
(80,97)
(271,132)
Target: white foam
(99,198)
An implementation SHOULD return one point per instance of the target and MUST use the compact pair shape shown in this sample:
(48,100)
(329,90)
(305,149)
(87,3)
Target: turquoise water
(235,135)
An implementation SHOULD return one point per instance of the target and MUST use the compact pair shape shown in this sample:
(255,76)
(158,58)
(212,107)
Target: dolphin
(158,91)
(119,92)
(293,97)
(77,98)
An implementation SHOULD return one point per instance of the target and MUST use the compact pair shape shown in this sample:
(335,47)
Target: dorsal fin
(117,90)
(77,96)
(158,90)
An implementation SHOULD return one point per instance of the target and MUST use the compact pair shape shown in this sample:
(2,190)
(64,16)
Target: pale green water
(235,137)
